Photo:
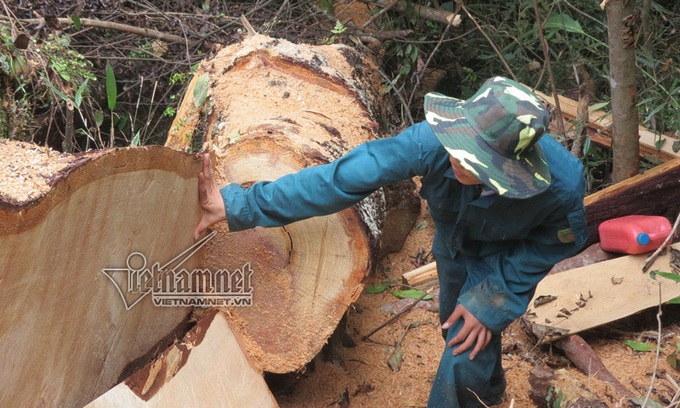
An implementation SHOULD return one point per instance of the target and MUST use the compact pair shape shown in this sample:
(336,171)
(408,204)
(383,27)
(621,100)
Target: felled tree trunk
(65,332)
(273,108)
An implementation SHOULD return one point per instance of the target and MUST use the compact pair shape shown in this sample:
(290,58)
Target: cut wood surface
(273,108)
(65,332)
(596,294)
(602,121)
(207,369)
(422,276)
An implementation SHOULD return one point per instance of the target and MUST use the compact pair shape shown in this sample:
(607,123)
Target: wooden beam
(601,122)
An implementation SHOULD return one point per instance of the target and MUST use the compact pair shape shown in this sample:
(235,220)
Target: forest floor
(360,376)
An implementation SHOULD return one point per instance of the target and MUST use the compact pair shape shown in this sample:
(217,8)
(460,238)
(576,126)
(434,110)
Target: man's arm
(329,188)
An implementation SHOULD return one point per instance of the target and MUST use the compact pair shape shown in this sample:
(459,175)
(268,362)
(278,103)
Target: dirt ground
(360,376)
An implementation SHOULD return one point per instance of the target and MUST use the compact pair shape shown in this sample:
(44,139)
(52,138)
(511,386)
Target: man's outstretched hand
(473,332)
(209,198)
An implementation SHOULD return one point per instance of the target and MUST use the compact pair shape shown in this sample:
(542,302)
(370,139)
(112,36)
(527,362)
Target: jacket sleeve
(329,188)
(504,294)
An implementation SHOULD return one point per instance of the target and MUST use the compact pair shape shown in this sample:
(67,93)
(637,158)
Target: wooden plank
(610,301)
(602,122)
(422,276)
(215,373)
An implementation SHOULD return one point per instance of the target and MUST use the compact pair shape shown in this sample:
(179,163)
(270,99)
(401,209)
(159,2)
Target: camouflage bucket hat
(493,135)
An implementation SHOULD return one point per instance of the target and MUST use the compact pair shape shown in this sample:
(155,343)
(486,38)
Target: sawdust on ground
(362,377)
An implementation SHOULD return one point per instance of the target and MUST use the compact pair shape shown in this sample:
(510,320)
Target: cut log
(594,295)
(207,369)
(273,108)
(65,332)
(656,192)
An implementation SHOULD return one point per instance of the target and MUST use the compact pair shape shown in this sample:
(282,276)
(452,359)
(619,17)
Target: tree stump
(266,108)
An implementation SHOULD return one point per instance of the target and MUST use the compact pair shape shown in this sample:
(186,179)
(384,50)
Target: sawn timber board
(606,291)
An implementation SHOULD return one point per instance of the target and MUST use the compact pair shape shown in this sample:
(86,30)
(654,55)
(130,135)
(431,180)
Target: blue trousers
(458,376)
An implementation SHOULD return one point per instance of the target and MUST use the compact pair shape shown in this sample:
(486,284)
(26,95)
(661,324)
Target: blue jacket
(514,243)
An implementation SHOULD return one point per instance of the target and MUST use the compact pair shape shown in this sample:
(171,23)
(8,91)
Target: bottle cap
(642,238)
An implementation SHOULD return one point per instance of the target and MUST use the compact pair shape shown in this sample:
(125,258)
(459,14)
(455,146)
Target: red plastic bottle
(634,234)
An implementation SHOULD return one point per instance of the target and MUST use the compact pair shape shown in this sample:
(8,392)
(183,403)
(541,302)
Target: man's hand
(209,197)
(472,333)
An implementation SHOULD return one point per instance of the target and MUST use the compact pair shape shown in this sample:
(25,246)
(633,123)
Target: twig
(396,316)
(658,351)
(440,16)
(247,25)
(650,260)
(496,50)
(420,74)
(546,55)
(144,32)
(377,15)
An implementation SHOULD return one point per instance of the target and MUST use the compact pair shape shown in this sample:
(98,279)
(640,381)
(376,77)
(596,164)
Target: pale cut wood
(618,289)
(422,276)
(208,369)
(602,122)
(65,332)
(274,108)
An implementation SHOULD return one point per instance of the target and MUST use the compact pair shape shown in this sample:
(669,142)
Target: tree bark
(622,27)
(656,192)
(274,108)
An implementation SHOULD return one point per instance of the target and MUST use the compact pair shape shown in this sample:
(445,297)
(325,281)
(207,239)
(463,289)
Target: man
(506,207)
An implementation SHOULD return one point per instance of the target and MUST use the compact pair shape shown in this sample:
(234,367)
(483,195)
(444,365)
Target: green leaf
(54,88)
(562,22)
(674,301)
(135,140)
(638,345)
(651,403)
(597,106)
(410,294)
(667,275)
(111,88)
(76,22)
(99,118)
(201,89)
(78,98)
(379,288)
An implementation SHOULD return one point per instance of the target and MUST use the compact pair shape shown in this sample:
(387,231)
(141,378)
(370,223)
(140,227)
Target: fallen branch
(587,360)
(88,22)
(395,317)
(437,15)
